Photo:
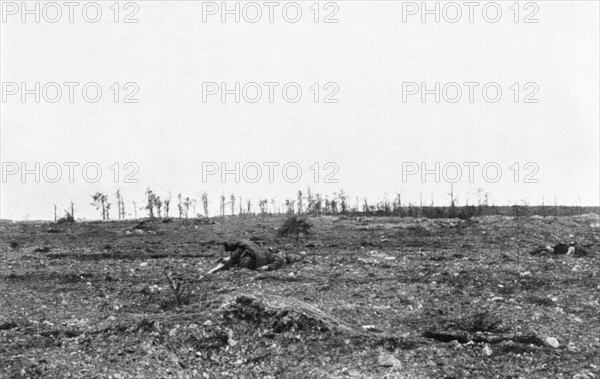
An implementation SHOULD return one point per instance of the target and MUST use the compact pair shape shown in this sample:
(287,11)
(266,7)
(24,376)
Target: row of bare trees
(302,203)
(102,203)
(156,206)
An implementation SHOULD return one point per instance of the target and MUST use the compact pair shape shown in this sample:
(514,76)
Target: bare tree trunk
(122,209)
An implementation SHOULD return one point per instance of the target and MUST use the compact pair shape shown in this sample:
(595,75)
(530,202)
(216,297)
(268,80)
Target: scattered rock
(232,342)
(572,348)
(388,360)
(173,331)
(552,342)
(487,350)
(154,289)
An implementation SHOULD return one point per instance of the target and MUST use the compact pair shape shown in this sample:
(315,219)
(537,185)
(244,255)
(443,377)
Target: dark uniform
(561,248)
(247,254)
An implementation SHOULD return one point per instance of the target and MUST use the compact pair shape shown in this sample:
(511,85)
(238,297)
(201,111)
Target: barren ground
(376,297)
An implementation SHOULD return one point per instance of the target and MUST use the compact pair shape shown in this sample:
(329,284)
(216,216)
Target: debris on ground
(376,297)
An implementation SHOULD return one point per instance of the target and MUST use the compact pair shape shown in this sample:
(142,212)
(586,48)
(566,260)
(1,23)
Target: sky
(366,119)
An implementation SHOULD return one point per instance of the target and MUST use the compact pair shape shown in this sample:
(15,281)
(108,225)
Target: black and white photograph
(300,189)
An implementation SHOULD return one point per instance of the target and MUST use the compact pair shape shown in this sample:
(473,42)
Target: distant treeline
(309,203)
(466,212)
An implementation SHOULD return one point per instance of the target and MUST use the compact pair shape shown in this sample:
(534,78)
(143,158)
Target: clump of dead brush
(68,219)
(181,290)
(294,226)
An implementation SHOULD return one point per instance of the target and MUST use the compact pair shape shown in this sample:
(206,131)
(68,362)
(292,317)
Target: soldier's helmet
(245,244)
(230,246)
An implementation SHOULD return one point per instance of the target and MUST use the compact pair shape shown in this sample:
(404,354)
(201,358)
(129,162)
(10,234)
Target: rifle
(222,264)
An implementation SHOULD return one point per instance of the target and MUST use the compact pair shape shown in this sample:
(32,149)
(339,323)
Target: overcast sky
(367,134)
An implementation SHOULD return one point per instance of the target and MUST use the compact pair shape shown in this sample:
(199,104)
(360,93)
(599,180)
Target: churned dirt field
(375,298)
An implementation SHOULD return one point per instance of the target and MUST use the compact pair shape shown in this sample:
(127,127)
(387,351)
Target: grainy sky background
(368,134)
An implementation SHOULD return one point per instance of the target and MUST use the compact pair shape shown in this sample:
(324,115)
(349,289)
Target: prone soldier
(247,254)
